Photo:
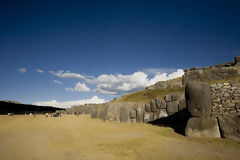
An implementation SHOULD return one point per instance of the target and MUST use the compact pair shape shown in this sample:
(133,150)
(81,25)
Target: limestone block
(153,105)
(172,107)
(168,98)
(147,108)
(198,98)
(148,116)
(158,103)
(230,126)
(124,114)
(177,97)
(202,127)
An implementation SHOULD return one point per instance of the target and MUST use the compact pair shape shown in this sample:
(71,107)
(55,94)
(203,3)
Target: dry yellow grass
(82,138)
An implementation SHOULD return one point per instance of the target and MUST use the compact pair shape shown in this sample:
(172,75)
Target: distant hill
(11,101)
(17,108)
(160,89)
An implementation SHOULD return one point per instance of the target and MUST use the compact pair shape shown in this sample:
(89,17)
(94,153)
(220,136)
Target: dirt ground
(82,138)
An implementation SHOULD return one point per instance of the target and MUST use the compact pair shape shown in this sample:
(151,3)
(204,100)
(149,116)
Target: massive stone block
(140,114)
(163,113)
(198,98)
(105,111)
(94,113)
(168,98)
(153,105)
(163,104)
(177,97)
(230,126)
(124,114)
(182,104)
(158,103)
(147,108)
(148,116)
(202,127)
(132,113)
(172,107)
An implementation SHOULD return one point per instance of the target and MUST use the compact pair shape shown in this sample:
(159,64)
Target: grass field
(82,138)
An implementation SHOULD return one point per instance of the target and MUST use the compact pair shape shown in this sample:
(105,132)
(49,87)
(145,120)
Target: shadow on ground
(177,121)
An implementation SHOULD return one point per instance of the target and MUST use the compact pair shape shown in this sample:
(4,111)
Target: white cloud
(39,71)
(165,76)
(117,84)
(67,74)
(80,87)
(22,70)
(66,104)
(57,81)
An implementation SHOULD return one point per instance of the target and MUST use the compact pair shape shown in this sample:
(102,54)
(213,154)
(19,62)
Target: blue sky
(116,46)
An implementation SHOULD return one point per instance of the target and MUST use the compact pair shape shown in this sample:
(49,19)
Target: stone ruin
(210,73)
(210,111)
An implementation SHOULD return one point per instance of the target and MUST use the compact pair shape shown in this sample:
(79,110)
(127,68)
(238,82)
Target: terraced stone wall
(225,99)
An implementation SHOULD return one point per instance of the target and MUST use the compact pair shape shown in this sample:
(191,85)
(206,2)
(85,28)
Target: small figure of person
(30,114)
(46,115)
(34,115)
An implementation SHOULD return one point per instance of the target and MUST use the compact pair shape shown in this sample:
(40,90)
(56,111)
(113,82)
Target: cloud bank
(110,84)
(67,104)
(117,84)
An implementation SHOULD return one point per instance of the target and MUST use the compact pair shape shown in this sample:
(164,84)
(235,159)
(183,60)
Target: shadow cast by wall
(177,121)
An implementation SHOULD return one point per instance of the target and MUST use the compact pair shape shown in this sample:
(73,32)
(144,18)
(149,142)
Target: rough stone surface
(163,114)
(168,98)
(94,113)
(210,73)
(124,114)
(182,104)
(198,98)
(172,107)
(153,105)
(225,99)
(140,114)
(147,108)
(202,127)
(132,113)
(158,103)
(111,111)
(230,126)
(163,104)
(148,116)
(177,97)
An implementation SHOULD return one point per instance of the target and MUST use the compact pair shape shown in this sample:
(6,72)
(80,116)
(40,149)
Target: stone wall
(81,109)
(139,112)
(210,73)
(163,107)
(225,99)
(122,112)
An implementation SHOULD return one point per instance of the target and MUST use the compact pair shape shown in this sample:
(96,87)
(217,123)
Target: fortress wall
(225,99)
(211,73)
(164,107)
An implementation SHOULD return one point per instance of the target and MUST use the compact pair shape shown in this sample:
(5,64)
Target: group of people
(34,114)
(54,115)
(47,114)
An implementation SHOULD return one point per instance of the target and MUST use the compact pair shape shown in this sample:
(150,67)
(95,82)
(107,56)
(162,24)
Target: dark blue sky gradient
(96,37)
